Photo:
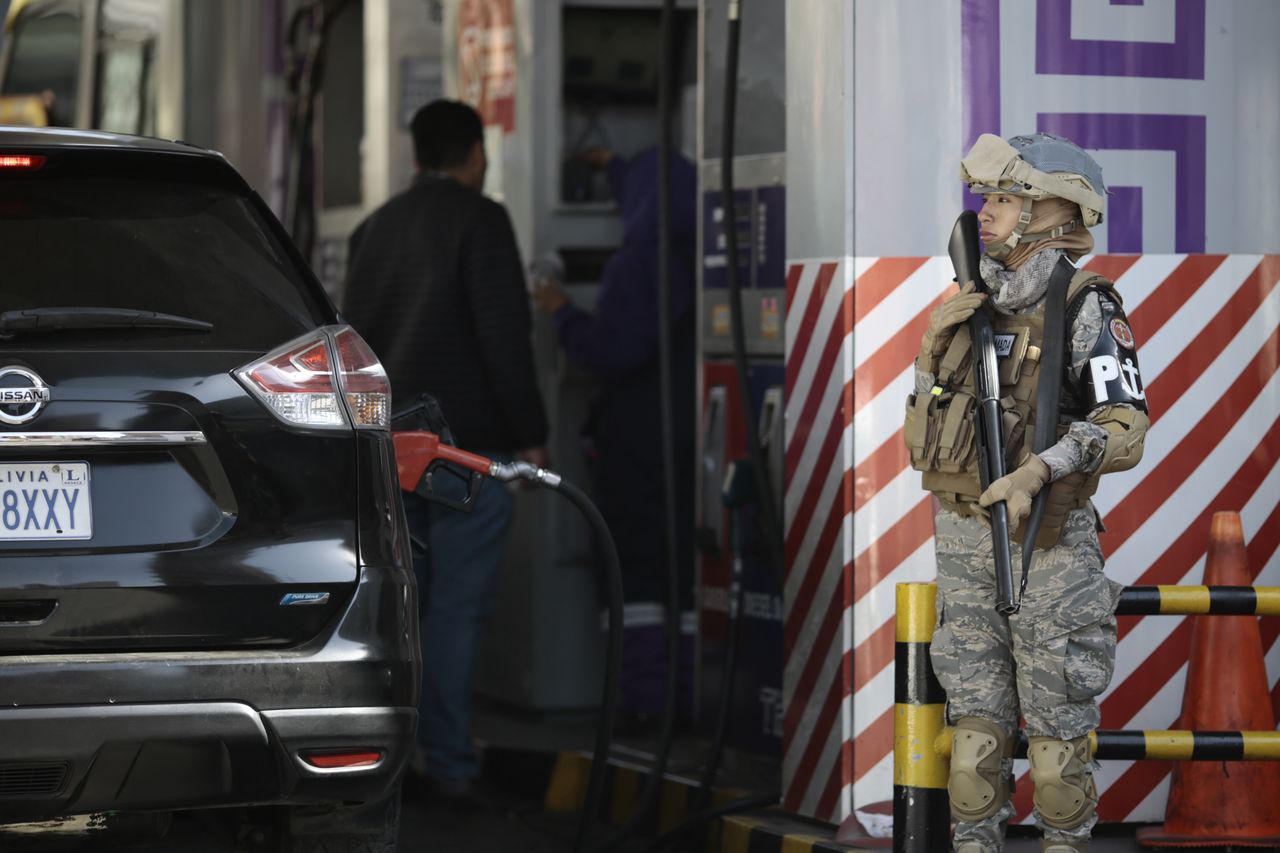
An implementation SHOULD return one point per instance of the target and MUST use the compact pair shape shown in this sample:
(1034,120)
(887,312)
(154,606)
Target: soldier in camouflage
(1049,661)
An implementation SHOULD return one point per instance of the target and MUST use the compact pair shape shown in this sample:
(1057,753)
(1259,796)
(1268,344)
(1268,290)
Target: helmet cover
(1036,166)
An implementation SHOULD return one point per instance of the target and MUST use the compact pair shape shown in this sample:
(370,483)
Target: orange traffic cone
(1221,803)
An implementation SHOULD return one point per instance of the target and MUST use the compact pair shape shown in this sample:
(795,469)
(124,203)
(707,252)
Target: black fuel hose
(648,798)
(728,675)
(665,391)
(671,621)
(768,510)
(613,658)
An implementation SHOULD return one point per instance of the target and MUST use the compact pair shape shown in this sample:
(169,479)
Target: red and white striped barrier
(857,522)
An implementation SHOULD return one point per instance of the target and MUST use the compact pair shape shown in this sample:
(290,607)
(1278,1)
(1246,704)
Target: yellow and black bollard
(1159,745)
(1189,600)
(922,743)
(921,812)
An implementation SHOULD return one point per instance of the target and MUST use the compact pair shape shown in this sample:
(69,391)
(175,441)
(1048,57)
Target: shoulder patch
(1110,374)
(1121,332)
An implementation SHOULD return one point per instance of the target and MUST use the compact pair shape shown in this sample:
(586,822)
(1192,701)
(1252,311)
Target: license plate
(44,500)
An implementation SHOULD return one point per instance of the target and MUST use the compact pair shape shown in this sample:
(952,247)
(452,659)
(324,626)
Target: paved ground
(522,826)
(519,825)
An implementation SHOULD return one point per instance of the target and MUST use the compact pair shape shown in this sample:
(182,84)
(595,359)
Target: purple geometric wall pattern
(1184,135)
(1058,53)
(1124,220)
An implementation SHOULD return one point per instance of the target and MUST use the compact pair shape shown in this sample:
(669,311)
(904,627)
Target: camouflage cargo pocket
(1090,660)
(1075,664)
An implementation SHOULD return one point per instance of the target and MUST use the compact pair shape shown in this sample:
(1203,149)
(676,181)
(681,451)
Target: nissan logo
(22,395)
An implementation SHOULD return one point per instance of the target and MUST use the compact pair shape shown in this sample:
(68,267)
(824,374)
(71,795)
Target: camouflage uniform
(1048,662)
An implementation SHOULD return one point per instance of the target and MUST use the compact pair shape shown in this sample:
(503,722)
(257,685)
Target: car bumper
(92,758)
(88,733)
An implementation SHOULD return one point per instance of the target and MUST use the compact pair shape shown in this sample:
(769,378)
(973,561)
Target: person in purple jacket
(618,343)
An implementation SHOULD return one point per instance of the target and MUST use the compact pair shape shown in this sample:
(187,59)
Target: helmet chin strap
(1000,251)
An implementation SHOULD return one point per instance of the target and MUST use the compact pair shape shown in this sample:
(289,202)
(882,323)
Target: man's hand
(944,320)
(547,295)
(1017,489)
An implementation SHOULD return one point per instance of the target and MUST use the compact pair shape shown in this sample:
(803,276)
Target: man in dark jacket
(436,286)
(619,343)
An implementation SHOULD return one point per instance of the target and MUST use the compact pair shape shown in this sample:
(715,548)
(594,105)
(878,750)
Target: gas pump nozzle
(424,443)
(420,452)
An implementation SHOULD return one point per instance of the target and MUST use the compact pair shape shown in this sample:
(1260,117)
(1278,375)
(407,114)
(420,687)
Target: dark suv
(206,595)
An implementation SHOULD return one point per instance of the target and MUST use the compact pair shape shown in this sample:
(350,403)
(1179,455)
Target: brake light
(296,383)
(300,385)
(363,381)
(21,162)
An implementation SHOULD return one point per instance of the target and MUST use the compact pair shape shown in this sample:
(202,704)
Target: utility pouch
(919,430)
(955,362)
(939,432)
(957,447)
(1014,416)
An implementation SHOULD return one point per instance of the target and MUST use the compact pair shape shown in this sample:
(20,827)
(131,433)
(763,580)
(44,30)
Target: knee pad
(1065,794)
(979,782)
(1063,847)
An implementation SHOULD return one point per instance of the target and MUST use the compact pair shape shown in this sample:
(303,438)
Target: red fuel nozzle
(417,449)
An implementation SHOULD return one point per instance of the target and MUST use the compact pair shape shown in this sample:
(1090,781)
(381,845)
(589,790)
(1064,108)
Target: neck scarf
(1017,291)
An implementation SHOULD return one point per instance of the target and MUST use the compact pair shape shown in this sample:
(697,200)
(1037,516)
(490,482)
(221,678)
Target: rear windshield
(190,249)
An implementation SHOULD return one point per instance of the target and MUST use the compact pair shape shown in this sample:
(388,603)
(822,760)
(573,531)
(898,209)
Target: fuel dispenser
(756,724)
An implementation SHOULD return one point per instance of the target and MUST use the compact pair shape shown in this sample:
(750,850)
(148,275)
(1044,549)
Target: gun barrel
(1003,559)
(989,434)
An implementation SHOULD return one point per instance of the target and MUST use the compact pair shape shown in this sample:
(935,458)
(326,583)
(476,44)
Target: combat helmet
(1033,167)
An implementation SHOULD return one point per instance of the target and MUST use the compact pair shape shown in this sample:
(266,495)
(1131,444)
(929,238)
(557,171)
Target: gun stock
(963,248)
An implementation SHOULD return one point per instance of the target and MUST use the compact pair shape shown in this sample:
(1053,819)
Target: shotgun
(963,248)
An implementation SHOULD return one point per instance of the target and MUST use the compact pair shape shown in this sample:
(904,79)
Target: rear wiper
(43,320)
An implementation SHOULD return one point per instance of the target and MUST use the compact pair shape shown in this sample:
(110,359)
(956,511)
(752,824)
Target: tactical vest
(940,426)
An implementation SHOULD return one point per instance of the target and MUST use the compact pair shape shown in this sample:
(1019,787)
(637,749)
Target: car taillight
(299,383)
(21,162)
(363,381)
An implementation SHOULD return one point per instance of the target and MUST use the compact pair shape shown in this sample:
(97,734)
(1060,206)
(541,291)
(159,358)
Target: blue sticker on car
(292,598)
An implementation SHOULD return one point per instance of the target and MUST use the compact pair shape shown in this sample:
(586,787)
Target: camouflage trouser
(1048,662)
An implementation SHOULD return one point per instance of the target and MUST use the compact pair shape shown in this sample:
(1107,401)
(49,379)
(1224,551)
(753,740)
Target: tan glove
(1017,489)
(943,322)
